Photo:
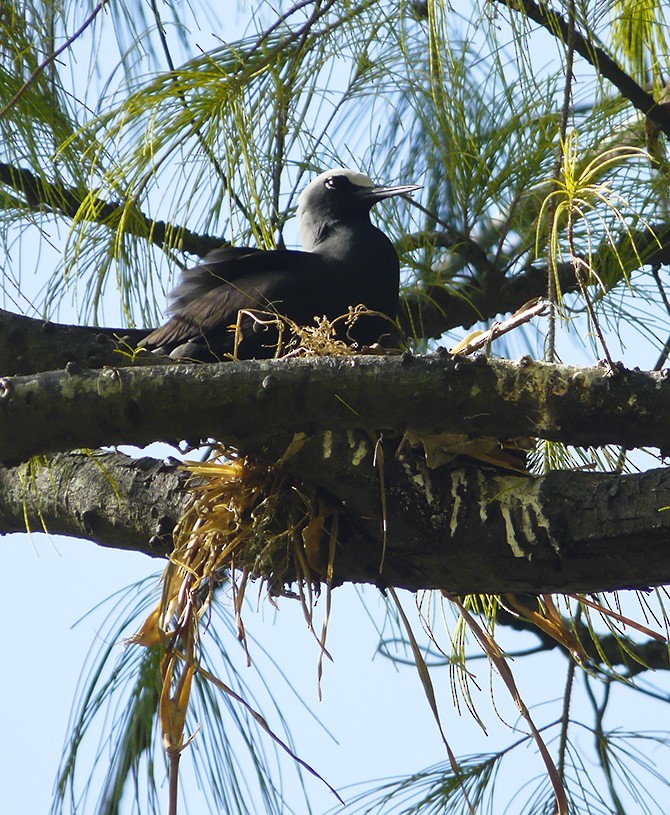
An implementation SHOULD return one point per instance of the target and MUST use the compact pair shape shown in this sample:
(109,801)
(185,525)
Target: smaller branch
(452,239)
(655,270)
(601,742)
(593,317)
(637,657)
(486,338)
(63,200)
(595,56)
(552,289)
(565,717)
(437,308)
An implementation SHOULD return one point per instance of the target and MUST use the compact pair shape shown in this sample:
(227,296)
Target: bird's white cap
(324,197)
(356,178)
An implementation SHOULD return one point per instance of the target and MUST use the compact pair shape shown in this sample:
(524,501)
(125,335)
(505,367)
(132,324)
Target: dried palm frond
(248,521)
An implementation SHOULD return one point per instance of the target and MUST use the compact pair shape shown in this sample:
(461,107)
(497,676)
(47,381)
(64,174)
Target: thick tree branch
(109,498)
(241,403)
(29,345)
(465,530)
(473,529)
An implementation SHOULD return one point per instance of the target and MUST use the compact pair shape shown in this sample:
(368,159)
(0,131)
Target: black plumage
(347,261)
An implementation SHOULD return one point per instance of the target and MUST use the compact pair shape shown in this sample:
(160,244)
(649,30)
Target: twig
(173,760)
(579,274)
(601,743)
(565,717)
(52,58)
(655,270)
(485,338)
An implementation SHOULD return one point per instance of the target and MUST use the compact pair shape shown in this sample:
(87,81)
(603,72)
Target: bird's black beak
(374,194)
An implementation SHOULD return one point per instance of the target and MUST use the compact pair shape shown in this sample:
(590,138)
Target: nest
(322,339)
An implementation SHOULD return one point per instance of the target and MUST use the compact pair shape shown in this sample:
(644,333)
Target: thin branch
(655,270)
(558,27)
(485,339)
(439,307)
(602,741)
(593,317)
(52,58)
(454,240)
(602,649)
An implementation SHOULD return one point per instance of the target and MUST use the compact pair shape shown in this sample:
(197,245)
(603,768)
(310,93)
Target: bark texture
(473,529)
(466,529)
(408,519)
(243,403)
(109,498)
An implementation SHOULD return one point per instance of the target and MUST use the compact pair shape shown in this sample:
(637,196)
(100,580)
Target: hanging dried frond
(247,521)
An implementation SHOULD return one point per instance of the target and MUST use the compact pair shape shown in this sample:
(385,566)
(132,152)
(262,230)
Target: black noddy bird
(346,262)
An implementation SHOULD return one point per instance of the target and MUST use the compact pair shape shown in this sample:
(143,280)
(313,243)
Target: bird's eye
(334,182)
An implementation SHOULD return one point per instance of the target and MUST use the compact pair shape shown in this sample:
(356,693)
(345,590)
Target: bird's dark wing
(206,303)
(222,265)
